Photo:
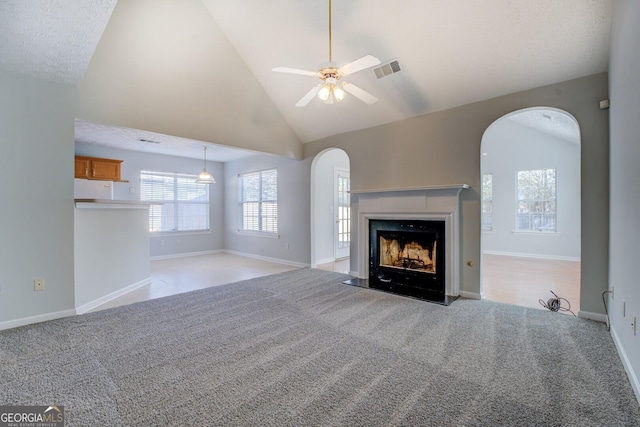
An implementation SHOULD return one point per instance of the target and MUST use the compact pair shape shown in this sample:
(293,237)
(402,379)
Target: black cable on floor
(555,304)
(606,311)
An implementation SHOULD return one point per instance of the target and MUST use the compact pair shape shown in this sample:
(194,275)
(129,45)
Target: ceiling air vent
(387,69)
(150,141)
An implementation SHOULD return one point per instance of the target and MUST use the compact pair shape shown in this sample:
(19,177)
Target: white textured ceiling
(51,39)
(552,122)
(452,52)
(151,142)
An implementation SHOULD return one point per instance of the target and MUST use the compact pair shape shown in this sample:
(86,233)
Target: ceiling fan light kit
(331,89)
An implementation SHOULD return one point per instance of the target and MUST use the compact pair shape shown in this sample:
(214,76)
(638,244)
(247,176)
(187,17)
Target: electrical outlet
(624,309)
(38,284)
(612,293)
(633,325)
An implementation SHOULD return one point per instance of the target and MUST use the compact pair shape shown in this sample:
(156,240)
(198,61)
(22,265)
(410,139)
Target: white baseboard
(592,316)
(633,378)
(9,324)
(536,256)
(84,308)
(185,254)
(264,258)
(470,295)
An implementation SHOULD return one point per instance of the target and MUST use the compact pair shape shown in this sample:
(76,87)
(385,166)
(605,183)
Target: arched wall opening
(325,168)
(531,227)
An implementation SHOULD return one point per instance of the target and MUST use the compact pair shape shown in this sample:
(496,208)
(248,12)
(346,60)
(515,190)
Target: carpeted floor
(300,348)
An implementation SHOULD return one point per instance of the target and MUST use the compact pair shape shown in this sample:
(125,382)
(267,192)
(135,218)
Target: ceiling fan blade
(295,71)
(359,64)
(309,96)
(361,94)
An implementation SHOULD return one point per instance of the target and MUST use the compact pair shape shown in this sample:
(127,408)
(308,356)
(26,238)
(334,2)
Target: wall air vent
(148,140)
(386,69)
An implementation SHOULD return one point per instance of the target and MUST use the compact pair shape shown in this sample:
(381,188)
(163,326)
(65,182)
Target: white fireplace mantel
(439,203)
(432,188)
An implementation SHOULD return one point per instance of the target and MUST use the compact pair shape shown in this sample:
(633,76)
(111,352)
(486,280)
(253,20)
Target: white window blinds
(177,202)
(259,201)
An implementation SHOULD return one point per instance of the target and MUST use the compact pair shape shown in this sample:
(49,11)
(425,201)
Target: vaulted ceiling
(450,53)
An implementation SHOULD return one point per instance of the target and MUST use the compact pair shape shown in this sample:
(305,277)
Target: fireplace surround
(422,207)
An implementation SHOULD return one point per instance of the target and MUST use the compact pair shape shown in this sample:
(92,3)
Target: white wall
(174,243)
(323,190)
(292,245)
(111,252)
(36,199)
(625,177)
(513,147)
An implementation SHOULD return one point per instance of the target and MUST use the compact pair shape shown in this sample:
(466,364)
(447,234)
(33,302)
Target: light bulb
(325,92)
(339,93)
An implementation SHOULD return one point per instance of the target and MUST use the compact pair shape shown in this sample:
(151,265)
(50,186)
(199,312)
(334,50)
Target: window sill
(259,234)
(536,233)
(177,233)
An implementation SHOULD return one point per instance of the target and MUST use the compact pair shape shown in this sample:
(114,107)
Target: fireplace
(408,257)
(421,225)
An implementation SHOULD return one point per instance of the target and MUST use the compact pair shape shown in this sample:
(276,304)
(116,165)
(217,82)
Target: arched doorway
(530,168)
(330,220)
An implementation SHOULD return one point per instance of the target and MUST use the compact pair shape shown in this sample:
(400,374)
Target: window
(259,200)
(344,212)
(177,202)
(536,204)
(487,202)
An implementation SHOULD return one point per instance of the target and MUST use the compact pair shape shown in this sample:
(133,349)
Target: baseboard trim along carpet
(85,308)
(35,319)
(301,348)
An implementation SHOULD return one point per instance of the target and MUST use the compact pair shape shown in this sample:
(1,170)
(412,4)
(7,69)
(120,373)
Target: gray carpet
(300,348)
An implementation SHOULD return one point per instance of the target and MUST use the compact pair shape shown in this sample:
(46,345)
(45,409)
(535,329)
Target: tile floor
(177,275)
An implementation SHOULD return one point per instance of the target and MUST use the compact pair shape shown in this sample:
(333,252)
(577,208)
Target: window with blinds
(487,202)
(177,202)
(259,201)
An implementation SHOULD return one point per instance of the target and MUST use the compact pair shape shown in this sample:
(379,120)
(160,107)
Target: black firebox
(407,257)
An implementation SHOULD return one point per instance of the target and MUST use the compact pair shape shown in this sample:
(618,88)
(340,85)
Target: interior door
(342,210)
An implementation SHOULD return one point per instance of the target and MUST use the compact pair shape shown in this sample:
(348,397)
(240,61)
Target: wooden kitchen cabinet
(96,168)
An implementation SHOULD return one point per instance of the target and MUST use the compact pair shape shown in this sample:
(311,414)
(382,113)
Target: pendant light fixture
(205,177)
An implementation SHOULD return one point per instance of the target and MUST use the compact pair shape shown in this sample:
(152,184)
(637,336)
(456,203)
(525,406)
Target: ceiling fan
(331,87)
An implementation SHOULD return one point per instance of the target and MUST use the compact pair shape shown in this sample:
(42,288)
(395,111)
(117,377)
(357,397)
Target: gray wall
(513,147)
(36,211)
(292,244)
(625,176)
(443,148)
(134,162)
